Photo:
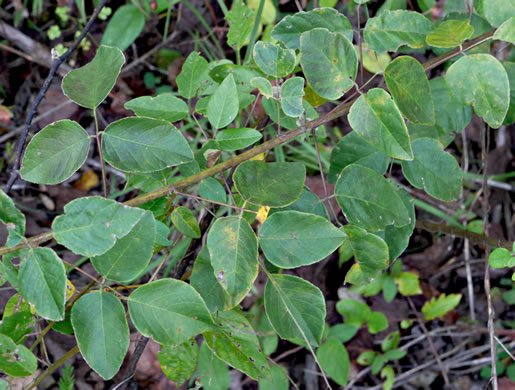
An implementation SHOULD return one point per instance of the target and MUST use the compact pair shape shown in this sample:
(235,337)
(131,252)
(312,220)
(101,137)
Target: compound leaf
(55,153)
(90,226)
(89,86)
(101,331)
(439,307)
(169,310)
(329,62)
(295,308)
(481,81)
(291,239)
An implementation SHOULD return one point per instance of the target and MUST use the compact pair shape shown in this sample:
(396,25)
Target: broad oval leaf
(452,116)
(368,200)
(12,218)
(308,202)
(376,118)
(89,86)
(90,226)
(42,279)
(170,311)
(352,149)
(129,257)
(234,255)
(235,139)
(178,362)
(118,33)
(450,33)
(291,239)
(496,11)
(270,184)
(370,252)
(163,106)
(334,360)
(292,92)
(211,189)
(101,330)
(223,105)
(393,29)
(295,308)
(481,81)
(434,170)
(16,360)
(213,373)
(510,70)
(194,74)
(55,153)
(273,59)
(290,28)
(236,343)
(263,85)
(409,86)
(506,31)
(203,280)
(184,220)
(241,20)
(144,145)
(329,62)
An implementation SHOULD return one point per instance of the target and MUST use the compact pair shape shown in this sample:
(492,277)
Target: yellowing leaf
(87,181)
(262,214)
(70,289)
(259,157)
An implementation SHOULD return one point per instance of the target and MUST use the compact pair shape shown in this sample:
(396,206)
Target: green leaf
(101,331)
(16,360)
(391,341)
(292,92)
(500,258)
(118,33)
(170,311)
(241,21)
(290,28)
(409,283)
(234,255)
(55,153)
(129,257)
(265,87)
(388,375)
(375,62)
(90,226)
(144,145)
(12,218)
(329,62)
(223,105)
(185,222)
(355,312)
(290,239)
(270,184)
(236,343)
(393,29)
(273,59)
(376,322)
(409,86)
(42,280)
(439,307)
(211,189)
(203,280)
(370,251)
(452,116)
(278,380)
(235,139)
(178,363)
(366,358)
(506,31)
(510,70)
(342,332)
(352,149)
(496,11)
(434,170)
(194,74)
(368,200)
(89,86)
(295,308)
(213,373)
(334,360)
(308,202)
(163,106)
(376,118)
(450,33)
(481,81)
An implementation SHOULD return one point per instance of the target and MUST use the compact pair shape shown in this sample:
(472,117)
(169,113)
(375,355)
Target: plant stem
(54,367)
(99,145)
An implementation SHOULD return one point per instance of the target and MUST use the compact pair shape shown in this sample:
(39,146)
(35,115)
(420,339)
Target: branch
(53,70)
